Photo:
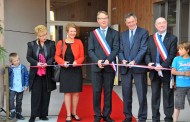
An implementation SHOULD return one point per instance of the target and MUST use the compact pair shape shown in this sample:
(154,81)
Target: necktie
(158,54)
(131,39)
(103,32)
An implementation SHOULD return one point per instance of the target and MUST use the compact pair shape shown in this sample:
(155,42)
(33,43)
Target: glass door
(184,25)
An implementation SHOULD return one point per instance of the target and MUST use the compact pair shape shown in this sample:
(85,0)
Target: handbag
(57,68)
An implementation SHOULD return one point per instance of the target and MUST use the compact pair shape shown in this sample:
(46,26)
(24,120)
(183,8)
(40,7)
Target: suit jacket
(77,49)
(137,51)
(96,52)
(170,43)
(32,57)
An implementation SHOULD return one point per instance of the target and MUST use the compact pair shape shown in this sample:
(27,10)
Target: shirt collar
(163,34)
(13,66)
(133,30)
(104,29)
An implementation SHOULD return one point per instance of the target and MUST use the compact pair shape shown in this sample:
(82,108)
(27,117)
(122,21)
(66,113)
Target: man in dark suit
(103,46)
(133,46)
(161,78)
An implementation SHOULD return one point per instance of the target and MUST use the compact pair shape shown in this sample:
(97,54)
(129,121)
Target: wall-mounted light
(114,8)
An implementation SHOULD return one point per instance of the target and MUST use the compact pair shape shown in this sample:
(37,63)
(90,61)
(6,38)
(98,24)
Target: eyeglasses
(42,35)
(103,18)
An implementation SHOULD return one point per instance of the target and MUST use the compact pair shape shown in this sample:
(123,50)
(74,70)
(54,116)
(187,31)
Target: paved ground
(57,100)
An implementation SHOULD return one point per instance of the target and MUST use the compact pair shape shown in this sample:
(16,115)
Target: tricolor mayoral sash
(160,45)
(101,39)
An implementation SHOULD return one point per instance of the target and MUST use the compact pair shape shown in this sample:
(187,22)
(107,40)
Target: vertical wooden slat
(142,8)
(7,91)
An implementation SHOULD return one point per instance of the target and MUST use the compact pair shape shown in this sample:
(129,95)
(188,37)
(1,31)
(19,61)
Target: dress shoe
(68,119)
(141,120)
(32,119)
(97,118)
(75,117)
(44,118)
(108,119)
(127,120)
(19,116)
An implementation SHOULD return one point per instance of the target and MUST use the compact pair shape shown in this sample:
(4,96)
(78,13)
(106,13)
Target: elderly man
(162,48)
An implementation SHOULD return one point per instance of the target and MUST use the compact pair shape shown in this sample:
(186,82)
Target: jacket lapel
(45,49)
(166,39)
(38,50)
(108,35)
(126,36)
(126,43)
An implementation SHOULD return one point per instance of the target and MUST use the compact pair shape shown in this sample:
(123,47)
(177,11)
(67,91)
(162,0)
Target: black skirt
(71,79)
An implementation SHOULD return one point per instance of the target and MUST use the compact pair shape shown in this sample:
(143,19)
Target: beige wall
(21,16)
(2,20)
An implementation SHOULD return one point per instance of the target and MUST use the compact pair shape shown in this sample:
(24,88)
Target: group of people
(69,53)
(133,47)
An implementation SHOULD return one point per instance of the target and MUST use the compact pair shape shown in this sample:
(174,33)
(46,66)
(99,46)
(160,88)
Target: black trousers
(168,98)
(40,97)
(19,97)
(141,87)
(102,80)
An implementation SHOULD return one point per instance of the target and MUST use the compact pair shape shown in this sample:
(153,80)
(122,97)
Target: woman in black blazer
(40,53)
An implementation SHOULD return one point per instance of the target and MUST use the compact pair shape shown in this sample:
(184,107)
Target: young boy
(18,83)
(181,68)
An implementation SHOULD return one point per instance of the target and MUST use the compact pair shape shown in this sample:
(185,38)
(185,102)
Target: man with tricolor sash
(162,48)
(103,46)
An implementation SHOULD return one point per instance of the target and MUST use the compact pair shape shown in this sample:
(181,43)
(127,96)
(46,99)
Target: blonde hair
(12,56)
(103,12)
(70,25)
(40,29)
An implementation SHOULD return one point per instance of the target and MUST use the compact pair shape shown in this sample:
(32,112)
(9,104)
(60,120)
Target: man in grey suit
(133,46)
(159,78)
(103,46)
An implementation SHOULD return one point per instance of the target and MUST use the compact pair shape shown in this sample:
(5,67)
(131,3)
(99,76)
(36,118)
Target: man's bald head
(161,25)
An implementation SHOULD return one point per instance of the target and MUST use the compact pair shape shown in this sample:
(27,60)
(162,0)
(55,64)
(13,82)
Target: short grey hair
(128,15)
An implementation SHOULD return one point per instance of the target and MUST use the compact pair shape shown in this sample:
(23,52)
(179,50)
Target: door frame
(64,23)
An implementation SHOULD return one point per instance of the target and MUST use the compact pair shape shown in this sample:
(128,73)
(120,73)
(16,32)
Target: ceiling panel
(60,3)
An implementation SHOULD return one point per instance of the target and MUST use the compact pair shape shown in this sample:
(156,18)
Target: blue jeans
(19,96)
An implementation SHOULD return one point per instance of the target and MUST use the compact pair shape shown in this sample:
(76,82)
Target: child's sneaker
(12,115)
(19,116)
